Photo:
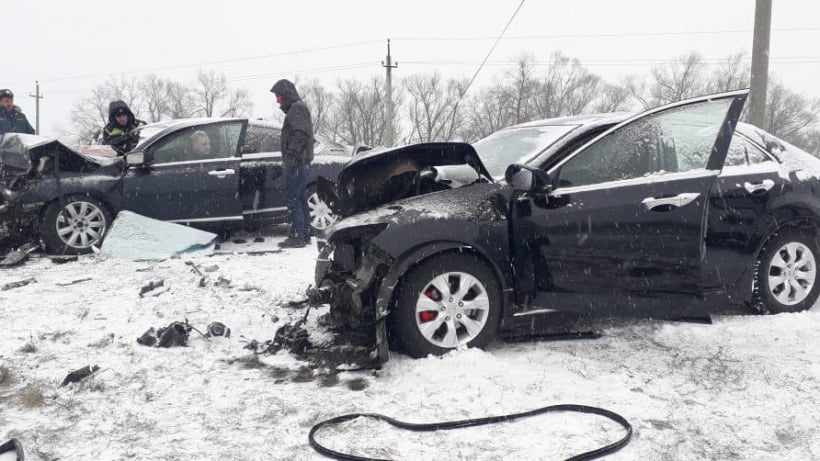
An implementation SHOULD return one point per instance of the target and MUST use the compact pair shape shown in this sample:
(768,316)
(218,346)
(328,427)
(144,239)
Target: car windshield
(517,145)
(148,131)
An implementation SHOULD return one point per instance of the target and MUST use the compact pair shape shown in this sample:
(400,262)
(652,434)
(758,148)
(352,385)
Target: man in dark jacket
(120,131)
(12,119)
(297,153)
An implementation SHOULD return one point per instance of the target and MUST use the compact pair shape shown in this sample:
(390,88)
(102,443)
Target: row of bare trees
(431,107)
(152,99)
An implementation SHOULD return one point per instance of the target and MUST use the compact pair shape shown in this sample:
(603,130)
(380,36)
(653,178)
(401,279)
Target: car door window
(261,139)
(204,142)
(675,140)
(744,152)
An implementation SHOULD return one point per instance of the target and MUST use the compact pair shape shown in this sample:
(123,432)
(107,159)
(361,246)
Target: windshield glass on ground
(517,145)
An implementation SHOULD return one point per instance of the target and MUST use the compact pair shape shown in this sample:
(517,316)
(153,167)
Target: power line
(604,34)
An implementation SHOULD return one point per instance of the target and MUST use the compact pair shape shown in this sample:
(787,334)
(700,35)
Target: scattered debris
(239,241)
(212,268)
(63,259)
(18,284)
(175,334)
(203,279)
(259,240)
(79,374)
(222,282)
(139,238)
(18,256)
(74,282)
(218,329)
(153,288)
(149,338)
(13,446)
(105,341)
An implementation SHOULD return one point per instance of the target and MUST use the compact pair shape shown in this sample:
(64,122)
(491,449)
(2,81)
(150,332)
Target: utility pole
(389,129)
(37,97)
(760,62)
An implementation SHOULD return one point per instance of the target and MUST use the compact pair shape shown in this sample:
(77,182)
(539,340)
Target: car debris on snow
(153,288)
(21,283)
(136,237)
(79,374)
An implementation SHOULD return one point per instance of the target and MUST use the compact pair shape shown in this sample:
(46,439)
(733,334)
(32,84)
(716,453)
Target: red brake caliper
(427,316)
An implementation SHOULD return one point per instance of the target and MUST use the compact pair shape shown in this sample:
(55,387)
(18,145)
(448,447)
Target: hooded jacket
(14,121)
(122,138)
(297,129)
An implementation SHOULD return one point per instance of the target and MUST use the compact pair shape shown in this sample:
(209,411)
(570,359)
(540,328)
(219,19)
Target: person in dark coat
(297,153)
(12,119)
(120,132)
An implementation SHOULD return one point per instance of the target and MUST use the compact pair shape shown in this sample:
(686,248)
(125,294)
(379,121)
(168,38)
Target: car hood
(19,153)
(383,176)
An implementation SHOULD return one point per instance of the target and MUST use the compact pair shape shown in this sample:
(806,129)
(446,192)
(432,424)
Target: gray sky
(74,46)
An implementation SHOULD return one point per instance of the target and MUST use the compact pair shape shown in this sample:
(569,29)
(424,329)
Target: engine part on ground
(79,374)
(218,329)
(291,337)
(13,446)
(431,427)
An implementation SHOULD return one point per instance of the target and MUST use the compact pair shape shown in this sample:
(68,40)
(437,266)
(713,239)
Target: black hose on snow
(597,453)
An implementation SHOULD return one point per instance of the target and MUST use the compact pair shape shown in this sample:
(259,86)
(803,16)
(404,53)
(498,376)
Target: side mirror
(526,179)
(137,158)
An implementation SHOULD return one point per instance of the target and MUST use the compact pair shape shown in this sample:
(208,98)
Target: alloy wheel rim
(452,309)
(792,273)
(81,224)
(321,216)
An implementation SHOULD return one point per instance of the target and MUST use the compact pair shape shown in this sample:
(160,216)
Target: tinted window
(199,143)
(670,141)
(261,139)
(744,152)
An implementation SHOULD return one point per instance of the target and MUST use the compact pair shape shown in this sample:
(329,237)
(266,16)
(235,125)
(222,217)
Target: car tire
(320,209)
(437,283)
(75,224)
(787,273)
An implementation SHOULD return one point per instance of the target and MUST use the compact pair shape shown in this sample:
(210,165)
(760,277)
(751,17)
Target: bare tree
(680,79)
(613,98)
(789,113)
(432,107)
(567,89)
(211,88)
(358,115)
(180,100)
(155,94)
(238,104)
(733,73)
(320,102)
(486,112)
(522,88)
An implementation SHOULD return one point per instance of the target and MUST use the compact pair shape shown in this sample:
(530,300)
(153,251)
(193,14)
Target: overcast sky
(73,46)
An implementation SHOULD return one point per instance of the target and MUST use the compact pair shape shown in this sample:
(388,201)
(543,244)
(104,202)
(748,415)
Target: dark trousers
(296,178)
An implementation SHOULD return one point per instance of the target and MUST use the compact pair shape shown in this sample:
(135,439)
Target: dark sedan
(216,174)
(673,213)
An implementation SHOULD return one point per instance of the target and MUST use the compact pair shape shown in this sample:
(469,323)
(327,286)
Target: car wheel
(445,302)
(787,273)
(75,224)
(320,209)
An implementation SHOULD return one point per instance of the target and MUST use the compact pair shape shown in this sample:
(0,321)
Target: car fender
(416,255)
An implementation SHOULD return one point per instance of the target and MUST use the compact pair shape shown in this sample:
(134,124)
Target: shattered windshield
(517,145)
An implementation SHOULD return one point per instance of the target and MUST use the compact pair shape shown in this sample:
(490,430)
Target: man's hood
(383,176)
(117,105)
(287,89)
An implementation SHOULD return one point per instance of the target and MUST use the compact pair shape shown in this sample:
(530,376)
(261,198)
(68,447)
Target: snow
(746,387)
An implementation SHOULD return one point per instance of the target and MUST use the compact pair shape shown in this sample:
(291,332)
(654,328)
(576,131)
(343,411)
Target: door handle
(221,173)
(666,203)
(758,188)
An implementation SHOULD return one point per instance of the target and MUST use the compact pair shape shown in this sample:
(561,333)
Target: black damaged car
(216,174)
(674,213)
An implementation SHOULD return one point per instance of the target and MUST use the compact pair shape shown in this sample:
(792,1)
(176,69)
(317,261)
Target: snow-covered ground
(745,387)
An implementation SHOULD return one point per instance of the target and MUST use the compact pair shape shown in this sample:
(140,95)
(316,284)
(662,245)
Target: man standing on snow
(297,153)
(12,119)
(120,131)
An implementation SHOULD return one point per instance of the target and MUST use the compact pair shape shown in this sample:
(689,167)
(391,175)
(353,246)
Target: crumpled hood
(19,153)
(384,176)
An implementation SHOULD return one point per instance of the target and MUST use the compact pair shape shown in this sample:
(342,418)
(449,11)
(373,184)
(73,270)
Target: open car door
(622,233)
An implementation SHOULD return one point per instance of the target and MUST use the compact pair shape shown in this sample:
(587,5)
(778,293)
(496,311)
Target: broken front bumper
(349,280)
